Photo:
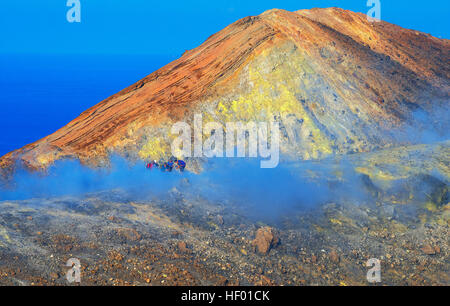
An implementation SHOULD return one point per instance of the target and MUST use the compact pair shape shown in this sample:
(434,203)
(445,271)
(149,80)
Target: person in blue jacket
(164,167)
(180,165)
(169,166)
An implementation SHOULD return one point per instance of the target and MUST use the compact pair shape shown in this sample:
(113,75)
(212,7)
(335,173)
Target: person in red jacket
(152,165)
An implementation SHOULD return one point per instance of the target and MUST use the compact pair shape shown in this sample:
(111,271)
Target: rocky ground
(182,239)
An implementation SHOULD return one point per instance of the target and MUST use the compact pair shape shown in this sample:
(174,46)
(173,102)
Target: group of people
(167,166)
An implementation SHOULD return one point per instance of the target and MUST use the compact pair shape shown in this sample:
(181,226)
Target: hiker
(169,166)
(154,164)
(180,165)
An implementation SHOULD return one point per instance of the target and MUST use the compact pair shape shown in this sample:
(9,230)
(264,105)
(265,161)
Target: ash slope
(336,82)
(187,236)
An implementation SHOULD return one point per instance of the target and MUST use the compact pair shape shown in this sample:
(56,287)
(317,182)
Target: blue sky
(169,27)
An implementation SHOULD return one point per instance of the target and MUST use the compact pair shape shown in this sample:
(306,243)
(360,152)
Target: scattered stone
(175,233)
(183,247)
(221,281)
(116,256)
(265,239)
(65,243)
(265,281)
(54,275)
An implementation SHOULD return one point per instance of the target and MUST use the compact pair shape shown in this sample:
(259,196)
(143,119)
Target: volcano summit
(335,82)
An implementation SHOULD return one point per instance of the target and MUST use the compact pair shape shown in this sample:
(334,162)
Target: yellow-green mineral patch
(269,98)
(155,148)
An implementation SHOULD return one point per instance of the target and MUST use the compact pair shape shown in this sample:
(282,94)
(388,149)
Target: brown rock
(129,234)
(428,249)
(219,220)
(334,257)
(265,239)
(54,275)
(183,247)
(437,249)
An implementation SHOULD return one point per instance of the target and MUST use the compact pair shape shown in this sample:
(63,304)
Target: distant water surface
(41,93)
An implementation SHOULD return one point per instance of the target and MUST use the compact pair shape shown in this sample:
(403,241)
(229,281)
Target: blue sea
(41,93)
